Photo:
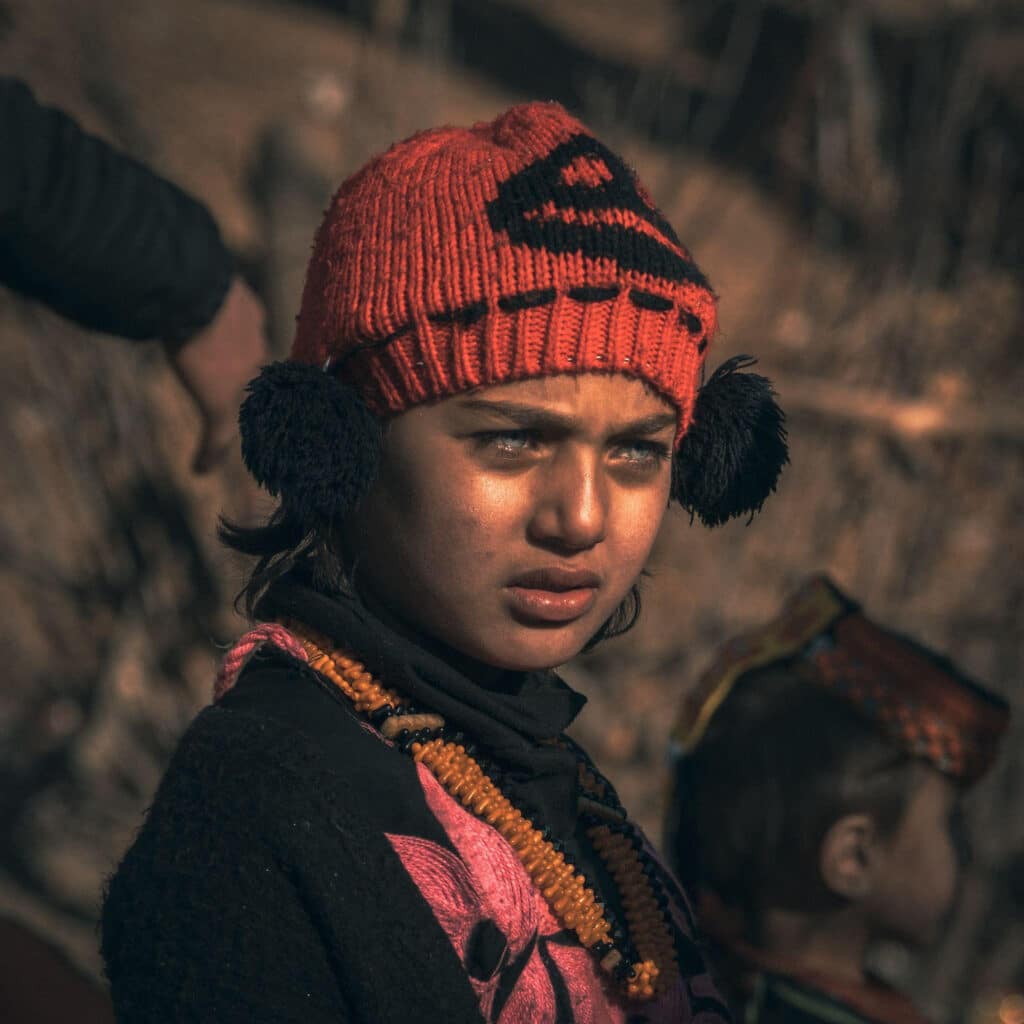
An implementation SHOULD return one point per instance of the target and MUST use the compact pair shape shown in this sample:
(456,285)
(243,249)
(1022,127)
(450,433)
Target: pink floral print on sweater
(524,967)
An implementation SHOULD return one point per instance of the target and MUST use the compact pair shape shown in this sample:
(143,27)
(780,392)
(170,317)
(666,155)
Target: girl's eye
(507,444)
(646,455)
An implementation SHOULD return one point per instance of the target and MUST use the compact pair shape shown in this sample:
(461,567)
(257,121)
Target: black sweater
(262,887)
(96,235)
(295,867)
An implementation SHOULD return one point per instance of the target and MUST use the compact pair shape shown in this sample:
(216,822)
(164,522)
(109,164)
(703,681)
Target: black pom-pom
(730,458)
(310,440)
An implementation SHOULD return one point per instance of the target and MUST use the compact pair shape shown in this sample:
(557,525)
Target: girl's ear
(310,440)
(731,456)
(849,857)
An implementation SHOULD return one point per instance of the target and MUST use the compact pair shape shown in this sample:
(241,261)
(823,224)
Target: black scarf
(506,725)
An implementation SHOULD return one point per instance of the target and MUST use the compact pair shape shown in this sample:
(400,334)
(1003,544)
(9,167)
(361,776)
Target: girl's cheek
(495,511)
(638,524)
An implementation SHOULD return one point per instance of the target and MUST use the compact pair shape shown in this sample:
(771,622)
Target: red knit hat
(919,699)
(466,257)
(469,257)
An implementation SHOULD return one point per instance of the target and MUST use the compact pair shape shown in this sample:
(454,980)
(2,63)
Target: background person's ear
(849,857)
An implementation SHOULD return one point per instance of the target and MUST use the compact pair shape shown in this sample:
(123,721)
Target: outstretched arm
(103,240)
(98,236)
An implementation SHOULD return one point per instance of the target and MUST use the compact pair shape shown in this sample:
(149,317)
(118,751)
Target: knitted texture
(257,890)
(466,257)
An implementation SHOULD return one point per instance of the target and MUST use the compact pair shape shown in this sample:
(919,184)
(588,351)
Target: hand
(216,364)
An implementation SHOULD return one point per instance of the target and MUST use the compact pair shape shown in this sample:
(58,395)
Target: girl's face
(510,522)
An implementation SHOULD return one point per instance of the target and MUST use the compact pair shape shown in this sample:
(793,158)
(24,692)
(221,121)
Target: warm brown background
(850,180)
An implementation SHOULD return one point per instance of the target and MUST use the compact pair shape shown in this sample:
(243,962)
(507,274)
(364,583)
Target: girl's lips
(557,606)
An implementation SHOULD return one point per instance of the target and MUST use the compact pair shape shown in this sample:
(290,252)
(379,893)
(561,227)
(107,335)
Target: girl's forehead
(598,406)
(573,392)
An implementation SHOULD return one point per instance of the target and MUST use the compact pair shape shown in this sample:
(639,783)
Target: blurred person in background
(820,767)
(494,391)
(106,242)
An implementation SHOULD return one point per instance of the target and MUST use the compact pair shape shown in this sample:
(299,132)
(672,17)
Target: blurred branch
(901,417)
(727,73)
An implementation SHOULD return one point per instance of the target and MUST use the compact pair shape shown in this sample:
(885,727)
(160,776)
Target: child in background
(817,778)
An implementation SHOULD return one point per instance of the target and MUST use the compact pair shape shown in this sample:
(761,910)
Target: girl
(492,394)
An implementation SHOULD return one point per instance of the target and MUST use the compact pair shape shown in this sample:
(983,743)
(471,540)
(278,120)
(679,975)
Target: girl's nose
(571,510)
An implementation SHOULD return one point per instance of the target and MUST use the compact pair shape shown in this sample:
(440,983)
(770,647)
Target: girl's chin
(530,649)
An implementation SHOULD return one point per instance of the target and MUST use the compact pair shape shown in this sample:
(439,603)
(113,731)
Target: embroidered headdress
(925,704)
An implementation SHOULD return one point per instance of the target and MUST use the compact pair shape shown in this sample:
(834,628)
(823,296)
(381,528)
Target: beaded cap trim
(921,701)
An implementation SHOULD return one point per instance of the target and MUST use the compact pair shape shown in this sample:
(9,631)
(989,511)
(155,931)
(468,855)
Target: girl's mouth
(553,595)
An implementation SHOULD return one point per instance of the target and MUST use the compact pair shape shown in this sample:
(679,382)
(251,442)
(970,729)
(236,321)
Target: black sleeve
(204,920)
(96,235)
(264,887)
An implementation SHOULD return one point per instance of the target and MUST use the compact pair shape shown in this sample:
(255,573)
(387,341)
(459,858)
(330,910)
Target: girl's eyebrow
(537,417)
(647,425)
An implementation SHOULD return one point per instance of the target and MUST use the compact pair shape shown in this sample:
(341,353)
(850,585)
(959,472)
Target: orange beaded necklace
(571,900)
